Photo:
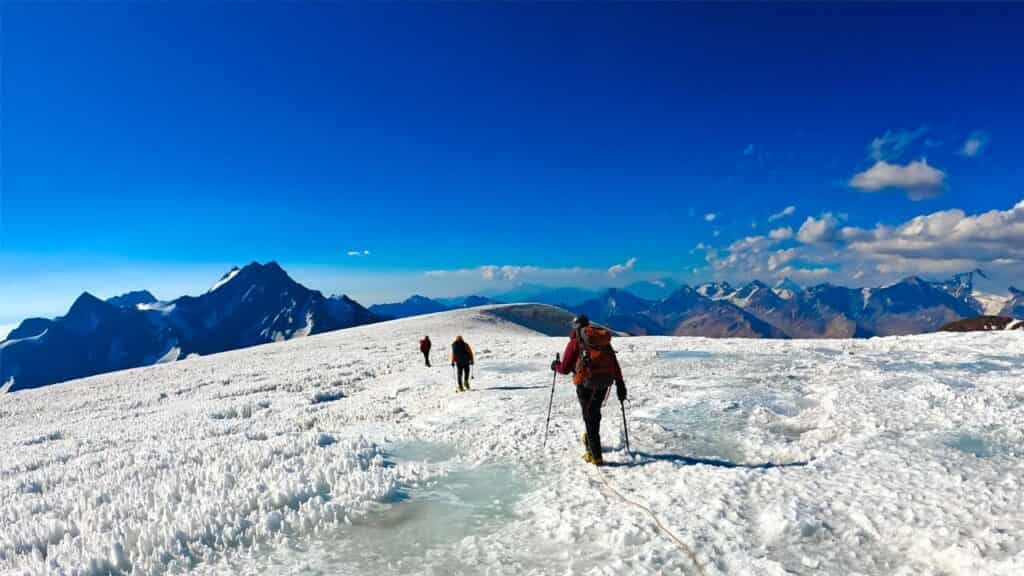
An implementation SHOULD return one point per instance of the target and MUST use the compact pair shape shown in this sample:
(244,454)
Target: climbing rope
(657,522)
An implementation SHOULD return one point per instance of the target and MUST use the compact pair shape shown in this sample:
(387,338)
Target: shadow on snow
(648,458)
(514,387)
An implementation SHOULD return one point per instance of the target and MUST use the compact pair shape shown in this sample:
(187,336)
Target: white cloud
(710,217)
(780,258)
(804,274)
(892,145)
(974,144)
(947,235)
(492,276)
(936,245)
(751,244)
(620,269)
(918,179)
(818,230)
(358,252)
(787,211)
(511,273)
(781,233)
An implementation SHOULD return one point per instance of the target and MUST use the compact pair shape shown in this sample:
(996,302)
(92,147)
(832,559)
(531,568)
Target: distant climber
(425,348)
(462,357)
(590,358)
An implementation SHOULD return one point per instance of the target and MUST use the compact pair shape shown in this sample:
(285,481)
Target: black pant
(462,375)
(426,356)
(591,400)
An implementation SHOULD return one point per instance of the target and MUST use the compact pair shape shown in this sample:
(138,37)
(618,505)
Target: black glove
(555,365)
(620,390)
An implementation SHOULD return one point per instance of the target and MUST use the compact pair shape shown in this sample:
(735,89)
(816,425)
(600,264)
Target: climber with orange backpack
(590,358)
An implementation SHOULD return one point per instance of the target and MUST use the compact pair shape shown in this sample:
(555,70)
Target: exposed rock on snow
(983,324)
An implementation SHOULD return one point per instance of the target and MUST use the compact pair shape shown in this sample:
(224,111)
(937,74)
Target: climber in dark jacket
(425,348)
(462,357)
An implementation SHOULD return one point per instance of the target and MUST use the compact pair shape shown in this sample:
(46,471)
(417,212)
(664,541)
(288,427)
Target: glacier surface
(342,454)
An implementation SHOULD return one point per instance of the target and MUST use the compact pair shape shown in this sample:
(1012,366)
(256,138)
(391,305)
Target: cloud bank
(935,244)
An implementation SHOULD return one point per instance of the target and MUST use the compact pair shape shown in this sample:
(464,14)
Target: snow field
(886,456)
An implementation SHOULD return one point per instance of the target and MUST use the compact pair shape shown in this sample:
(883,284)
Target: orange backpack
(595,365)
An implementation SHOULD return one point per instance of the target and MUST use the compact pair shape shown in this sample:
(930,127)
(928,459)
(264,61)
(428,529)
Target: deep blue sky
(150,146)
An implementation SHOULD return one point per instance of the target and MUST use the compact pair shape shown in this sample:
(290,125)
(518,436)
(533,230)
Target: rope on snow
(657,522)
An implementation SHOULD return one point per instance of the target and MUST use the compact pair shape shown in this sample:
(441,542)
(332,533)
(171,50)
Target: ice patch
(429,521)
(975,445)
(682,354)
(511,367)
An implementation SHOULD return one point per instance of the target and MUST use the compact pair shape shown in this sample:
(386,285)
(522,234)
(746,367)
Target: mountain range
(911,306)
(260,303)
(417,305)
(256,304)
(756,310)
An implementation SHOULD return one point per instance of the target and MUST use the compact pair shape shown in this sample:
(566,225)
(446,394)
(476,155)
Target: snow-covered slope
(342,454)
(990,304)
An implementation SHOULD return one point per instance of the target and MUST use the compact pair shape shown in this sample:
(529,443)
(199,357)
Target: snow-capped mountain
(960,285)
(685,312)
(474,301)
(563,296)
(801,315)
(910,306)
(415,305)
(1014,306)
(133,299)
(653,289)
(29,327)
(256,304)
(260,303)
(787,288)
(93,337)
(688,313)
(621,310)
(715,290)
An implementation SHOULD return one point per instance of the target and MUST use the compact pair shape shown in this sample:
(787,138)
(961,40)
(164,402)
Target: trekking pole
(625,428)
(551,401)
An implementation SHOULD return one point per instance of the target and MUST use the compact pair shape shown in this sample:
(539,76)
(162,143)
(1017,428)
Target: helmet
(580,321)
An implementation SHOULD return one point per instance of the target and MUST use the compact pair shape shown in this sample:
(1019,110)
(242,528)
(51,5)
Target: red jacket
(572,353)
(425,345)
